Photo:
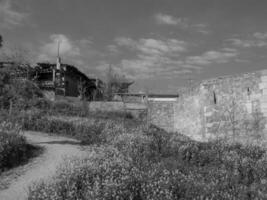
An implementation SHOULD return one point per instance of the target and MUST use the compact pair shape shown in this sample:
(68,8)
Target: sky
(160,44)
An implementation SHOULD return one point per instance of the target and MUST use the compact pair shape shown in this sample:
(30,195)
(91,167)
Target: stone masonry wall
(231,107)
(161,114)
(188,117)
(230,104)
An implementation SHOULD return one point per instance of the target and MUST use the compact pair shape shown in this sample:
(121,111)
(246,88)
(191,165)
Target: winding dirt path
(56,149)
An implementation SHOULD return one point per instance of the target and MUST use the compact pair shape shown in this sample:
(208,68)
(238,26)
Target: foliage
(14,149)
(109,173)
(17,55)
(133,163)
(116,83)
(16,94)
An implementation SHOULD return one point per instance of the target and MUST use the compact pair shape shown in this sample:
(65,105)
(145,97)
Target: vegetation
(14,149)
(130,162)
(15,97)
(116,83)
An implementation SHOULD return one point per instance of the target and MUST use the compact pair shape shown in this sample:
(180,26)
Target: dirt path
(42,167)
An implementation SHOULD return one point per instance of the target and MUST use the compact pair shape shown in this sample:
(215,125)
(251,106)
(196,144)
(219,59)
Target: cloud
(260,36)
(257,39)
(152,46)
(68,48)
(152,57)
(9,17)
(212,57)
(201,28)
(169,20)
(183,23)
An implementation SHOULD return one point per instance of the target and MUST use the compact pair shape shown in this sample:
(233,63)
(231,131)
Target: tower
(58,66)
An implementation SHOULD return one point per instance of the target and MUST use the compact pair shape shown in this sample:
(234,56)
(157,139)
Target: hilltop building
(58,80)
(66,80)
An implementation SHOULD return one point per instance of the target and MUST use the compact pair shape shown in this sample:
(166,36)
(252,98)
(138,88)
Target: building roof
(48,67)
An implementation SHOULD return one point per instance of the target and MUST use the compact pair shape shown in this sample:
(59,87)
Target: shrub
(111,173)
(13,149)
(65,108)
(137,147)
(129,162)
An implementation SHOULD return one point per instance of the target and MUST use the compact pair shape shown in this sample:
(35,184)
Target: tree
(116,83)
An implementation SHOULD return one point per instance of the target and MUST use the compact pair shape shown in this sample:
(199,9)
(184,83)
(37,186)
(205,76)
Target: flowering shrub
(111,173)
(137,147)
(129,162)
(13,150)
(89,131)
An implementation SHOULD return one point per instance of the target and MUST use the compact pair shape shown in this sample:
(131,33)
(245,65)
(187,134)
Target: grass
(14,149)
(89,130)
(130,162)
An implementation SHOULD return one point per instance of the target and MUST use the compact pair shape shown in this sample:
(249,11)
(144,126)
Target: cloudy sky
(161,44)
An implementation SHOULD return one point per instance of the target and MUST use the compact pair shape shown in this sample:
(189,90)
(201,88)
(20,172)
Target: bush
(92,130)
(137,147)
(112,173)
(14,150)
(130,162)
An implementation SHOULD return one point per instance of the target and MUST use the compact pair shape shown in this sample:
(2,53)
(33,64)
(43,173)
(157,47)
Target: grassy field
(14,149)
(127,160)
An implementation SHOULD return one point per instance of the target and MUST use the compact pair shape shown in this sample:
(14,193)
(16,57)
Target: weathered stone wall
(161,114)
(188,117)
(229,105)
(232,107)
(137,110)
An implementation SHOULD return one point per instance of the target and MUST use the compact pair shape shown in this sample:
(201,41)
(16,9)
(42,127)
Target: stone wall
(188,115)
(161,114)
(137,110)
(231,107)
